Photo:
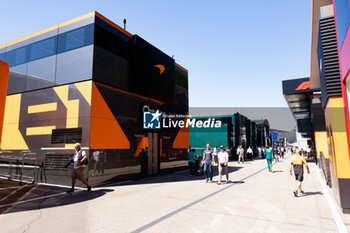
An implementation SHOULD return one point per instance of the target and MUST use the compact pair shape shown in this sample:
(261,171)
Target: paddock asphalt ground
(254,201)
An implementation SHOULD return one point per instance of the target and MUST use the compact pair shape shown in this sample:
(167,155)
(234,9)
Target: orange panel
(105,132)
(4,75)
(142,145)
(182,140)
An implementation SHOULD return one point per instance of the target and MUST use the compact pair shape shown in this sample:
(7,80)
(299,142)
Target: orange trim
(4,75)
(303,86)
(49,29)
(129,93)
(112,24)
(181,67)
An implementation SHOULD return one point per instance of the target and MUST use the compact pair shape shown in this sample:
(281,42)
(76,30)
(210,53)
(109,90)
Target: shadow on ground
(42,197)
(278,171)
(179,176)
(312,193)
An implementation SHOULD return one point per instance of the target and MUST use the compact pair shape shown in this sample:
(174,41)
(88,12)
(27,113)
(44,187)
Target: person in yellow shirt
(297,163)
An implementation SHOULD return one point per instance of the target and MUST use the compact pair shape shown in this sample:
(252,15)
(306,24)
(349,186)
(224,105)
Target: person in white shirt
(259,153)
(95,155)
(223,163)
(240,153)
(79,160)
(249,153)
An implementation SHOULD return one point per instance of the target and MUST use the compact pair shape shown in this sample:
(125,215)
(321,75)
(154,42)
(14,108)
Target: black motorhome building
(89,81)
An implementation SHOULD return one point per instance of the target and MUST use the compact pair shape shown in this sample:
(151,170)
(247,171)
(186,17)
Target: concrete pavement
(255,201)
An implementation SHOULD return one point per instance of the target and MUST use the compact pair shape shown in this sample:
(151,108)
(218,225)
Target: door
(153,153)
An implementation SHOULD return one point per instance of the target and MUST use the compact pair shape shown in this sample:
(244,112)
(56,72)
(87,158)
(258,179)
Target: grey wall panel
(17,79)
(41,73)
(75,65)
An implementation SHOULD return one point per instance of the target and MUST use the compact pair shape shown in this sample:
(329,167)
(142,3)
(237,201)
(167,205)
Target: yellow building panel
(72,114)
(12,138)
(71,105)
(42,108)
(321,142)
(337,138)
(41,130)
(85,90)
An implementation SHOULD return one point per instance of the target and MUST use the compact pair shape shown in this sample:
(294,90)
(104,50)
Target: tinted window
(110,68)
(75,39)
(21,55)
(17,56)
(111,42)
(2,56)
(43,48)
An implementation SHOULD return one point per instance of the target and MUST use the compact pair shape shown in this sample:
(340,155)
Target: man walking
(297,163)
(269,156)
(223,163)
(208,160)
(79,160)
(275,153)
(240,153)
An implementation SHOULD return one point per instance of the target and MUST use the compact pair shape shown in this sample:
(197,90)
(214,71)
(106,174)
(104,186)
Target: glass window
(43,48)
(41,73)
(21,55)
(16,57)
(75,39)
(2,56)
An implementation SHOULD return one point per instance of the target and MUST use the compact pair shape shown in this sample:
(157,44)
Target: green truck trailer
(235,130)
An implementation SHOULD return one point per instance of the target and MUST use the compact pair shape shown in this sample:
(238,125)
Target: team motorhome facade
(90,81)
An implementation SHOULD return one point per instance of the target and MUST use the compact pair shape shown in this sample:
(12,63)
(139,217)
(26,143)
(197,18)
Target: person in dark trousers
(249,153)
(208,160)
(297,163)
(192,161)
(79,160)
(143,160)
(199,166)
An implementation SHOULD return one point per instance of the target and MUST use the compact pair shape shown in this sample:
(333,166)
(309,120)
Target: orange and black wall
(87,80)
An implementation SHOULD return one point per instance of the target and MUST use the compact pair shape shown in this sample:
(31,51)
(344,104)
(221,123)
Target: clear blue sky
(237,52)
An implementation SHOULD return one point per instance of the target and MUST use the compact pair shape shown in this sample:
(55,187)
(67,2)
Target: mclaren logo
(303,86)
(161,68)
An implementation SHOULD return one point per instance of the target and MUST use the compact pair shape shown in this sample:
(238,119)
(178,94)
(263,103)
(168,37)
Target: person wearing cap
(223,163)
(297,164)
(79,160)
